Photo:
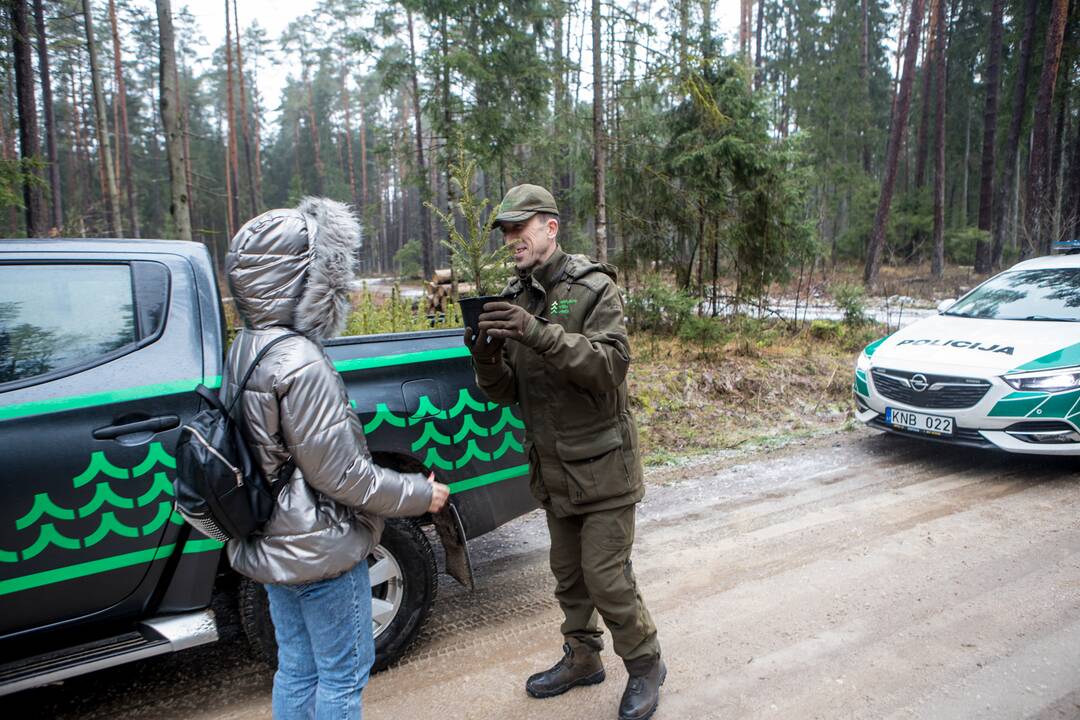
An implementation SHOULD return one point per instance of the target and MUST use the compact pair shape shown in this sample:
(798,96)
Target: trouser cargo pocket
(594,464)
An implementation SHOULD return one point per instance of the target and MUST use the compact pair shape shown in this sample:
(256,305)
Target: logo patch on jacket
(561,307)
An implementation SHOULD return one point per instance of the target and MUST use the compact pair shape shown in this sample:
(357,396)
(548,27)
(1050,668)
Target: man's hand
(504,320)
(439,494)
(483,347)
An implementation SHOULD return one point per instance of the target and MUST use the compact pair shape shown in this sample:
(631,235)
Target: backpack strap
(285,474)
(254,364)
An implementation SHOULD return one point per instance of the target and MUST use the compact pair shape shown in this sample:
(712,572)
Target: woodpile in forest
(439,291)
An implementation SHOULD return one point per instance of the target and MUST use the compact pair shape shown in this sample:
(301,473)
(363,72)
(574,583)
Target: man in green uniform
(558,347)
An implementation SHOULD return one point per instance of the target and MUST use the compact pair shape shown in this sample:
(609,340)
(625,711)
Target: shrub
(705,332)
(851,300)
(408,258)
(960,244)
(657,307)
(375,316)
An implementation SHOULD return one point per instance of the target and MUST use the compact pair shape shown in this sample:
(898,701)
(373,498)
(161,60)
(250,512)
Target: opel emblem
(919,382)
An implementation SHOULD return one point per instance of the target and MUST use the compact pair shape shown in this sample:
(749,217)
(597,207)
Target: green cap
(524,201)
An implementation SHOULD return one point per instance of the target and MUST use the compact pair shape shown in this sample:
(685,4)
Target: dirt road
(861,576)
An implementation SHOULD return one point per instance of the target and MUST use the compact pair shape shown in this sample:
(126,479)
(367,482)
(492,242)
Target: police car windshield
(1050,294)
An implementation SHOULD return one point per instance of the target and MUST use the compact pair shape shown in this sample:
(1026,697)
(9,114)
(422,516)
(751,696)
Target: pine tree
(892,154)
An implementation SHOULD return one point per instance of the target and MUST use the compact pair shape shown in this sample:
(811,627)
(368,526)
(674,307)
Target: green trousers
(590,558)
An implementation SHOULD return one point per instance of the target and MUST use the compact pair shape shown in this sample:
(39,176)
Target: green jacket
(568,375)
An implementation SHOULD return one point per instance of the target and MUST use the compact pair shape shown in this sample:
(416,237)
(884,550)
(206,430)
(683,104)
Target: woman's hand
(439,494)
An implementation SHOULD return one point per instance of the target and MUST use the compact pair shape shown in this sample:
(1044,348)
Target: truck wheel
(404,581)
(403,585)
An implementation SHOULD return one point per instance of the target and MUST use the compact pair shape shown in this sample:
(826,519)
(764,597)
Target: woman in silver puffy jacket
(289,272)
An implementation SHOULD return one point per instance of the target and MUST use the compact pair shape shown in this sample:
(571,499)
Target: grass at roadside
(761,384)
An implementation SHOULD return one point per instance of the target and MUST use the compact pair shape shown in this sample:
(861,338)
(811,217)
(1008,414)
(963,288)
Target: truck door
(97,360)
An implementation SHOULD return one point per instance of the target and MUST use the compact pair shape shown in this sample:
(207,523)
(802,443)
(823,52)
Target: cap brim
(512,217)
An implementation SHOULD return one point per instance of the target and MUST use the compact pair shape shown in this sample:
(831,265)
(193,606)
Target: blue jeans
(325,648)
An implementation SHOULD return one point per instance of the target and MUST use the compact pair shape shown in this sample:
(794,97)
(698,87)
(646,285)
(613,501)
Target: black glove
(484,348)
(505,320)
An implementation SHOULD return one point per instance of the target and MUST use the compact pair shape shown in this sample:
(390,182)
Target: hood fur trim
(333,236)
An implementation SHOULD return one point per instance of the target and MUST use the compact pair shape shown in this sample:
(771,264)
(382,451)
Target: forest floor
(762,386)
(767,383)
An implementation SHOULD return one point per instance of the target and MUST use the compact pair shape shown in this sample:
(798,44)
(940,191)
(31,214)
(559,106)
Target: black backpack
(220,490)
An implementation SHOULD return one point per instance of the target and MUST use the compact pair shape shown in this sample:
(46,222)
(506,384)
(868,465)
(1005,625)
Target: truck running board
(155,636)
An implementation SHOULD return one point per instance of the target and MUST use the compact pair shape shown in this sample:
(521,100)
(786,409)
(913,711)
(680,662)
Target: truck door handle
(153,425)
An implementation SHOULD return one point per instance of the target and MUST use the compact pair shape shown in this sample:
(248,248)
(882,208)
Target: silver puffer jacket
(289,271)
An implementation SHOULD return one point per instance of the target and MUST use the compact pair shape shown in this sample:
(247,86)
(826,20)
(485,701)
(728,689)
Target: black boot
(579,665)
(642,693)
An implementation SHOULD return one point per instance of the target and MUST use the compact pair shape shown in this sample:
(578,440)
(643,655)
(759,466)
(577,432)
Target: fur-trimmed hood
(293,267)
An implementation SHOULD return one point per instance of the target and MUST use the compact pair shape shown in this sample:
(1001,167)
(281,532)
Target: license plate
(919,422)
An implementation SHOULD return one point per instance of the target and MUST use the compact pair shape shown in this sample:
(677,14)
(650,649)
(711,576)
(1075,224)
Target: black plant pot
(471,307)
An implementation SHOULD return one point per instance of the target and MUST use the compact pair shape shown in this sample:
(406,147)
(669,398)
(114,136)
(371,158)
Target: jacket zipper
(219,456)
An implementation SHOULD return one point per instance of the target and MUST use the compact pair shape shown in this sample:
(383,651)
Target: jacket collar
(548,273)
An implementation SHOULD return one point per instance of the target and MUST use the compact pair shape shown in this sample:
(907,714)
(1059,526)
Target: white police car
(1000,367)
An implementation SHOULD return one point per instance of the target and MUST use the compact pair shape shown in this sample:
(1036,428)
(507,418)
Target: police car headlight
(863,363)
(1049,382)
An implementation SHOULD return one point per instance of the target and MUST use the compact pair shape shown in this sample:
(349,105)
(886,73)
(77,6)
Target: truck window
(65,316)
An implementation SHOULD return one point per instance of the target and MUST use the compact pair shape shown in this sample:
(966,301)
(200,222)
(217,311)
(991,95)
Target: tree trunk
(256,130)
(989,148)
(892,153)
(179,210)
(1012,144)
(101,126)
(363,162)
(599,150)
(962,211)
(1071,223)
(10,153)
(559,156)
(347,106)
(320,170)
(922,144)
(899,51)
(447,110)
(937,263)
(759,58)
(56,199)
(79,162)
(185,129)
(427,254)
(684,36)
(37,223)
(1038,213)
(245,134)
(864,81)
(1056,162)
(232,160)
(7,154)
(746,14)
(122,138)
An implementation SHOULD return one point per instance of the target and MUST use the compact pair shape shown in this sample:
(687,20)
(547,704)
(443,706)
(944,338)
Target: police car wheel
(404,582)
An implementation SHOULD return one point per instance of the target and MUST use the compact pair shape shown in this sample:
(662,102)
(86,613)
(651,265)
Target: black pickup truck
(102,343)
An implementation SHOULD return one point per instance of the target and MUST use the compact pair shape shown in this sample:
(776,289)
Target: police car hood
(979,346)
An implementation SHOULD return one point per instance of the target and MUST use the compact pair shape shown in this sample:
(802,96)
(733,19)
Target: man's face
(531,241)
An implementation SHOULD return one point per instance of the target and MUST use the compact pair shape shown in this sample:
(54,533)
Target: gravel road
(855,576)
